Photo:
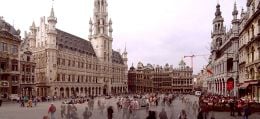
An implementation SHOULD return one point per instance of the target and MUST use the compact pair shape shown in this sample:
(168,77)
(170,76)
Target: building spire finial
(235,11)
(125,46)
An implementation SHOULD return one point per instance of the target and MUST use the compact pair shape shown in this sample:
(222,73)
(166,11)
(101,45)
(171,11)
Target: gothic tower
(235,21)
(32,36)
(218,32)
(51,47)
(101,31)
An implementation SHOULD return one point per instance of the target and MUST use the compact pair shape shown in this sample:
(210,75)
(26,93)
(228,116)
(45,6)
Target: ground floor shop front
(250,90)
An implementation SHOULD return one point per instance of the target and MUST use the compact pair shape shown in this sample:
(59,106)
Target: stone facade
(152,79)
(234,60)
(27,70)
(9,59)
(249,51)
(67,65)
(223,63)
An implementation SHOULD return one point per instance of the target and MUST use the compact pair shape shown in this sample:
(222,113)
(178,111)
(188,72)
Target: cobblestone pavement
(14,111)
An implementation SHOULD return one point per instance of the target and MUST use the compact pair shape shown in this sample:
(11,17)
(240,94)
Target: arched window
(252,54)
(252,73)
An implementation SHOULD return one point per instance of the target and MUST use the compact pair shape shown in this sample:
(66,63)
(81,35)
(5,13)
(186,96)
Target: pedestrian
(62,111)
(0,100)
(110,112)
(232,107)
(182,115)
(163,114)
(239,108)
(74,114)
(22,101)
(151,115)
(87,113)
(35,100)
(52,110)
(45,117)
(200,114)
(126,104)
(69,107)
(247,111)
(29,104)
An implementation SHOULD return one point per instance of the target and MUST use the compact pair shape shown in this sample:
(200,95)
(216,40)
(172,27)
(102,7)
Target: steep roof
(116,58)
(74,43)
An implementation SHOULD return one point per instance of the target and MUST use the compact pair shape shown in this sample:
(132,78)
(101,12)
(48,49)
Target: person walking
(151,115)
(200,114)
(126,105)
(45,117)
(74,114)
(62,111)
(232,107)
(110,112)
(182,115)
(247,111)
(22,101)
(68,115)
(52,110)
(163,114)
(35,101)
(87,113)
(0,100)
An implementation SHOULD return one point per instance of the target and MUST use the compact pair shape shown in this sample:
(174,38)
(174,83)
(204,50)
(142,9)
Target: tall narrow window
(259,26)
(253,31)
(252,54)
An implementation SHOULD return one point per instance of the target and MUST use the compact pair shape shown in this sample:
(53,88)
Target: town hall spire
(100,31)
(100,18)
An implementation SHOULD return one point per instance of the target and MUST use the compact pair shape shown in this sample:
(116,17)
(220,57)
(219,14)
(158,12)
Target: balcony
(9,72)
(27,83)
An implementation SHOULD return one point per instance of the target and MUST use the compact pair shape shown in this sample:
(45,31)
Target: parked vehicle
(14,97)
(143,102)
(108,97)
(198,93)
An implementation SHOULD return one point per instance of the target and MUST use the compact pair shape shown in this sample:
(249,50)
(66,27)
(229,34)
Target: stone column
(225,83)
(225,66)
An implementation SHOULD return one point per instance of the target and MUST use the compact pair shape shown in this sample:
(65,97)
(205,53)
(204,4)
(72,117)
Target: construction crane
(192,56)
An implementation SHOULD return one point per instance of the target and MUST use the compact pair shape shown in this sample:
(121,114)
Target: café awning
(244,86)
(253,83)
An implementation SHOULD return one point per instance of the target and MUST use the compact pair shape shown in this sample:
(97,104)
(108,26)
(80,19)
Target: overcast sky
(155,31)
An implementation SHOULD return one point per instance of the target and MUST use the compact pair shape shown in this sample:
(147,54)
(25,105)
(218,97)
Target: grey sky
(155,31)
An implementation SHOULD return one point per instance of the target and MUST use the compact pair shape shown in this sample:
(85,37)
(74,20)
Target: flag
(209,71)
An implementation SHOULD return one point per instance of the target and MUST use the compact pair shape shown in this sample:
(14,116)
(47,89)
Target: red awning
(244,86)
(253,83)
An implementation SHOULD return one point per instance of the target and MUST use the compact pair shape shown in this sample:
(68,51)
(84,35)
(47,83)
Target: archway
(62,92)
(86,91)
(105,90)
(77,91)
(67,92)
(73,93)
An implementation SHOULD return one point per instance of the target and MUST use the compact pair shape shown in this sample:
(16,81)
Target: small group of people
(68,111)
(29,101)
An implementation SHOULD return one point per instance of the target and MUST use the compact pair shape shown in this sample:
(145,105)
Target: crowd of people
(209,103)
(130,105)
